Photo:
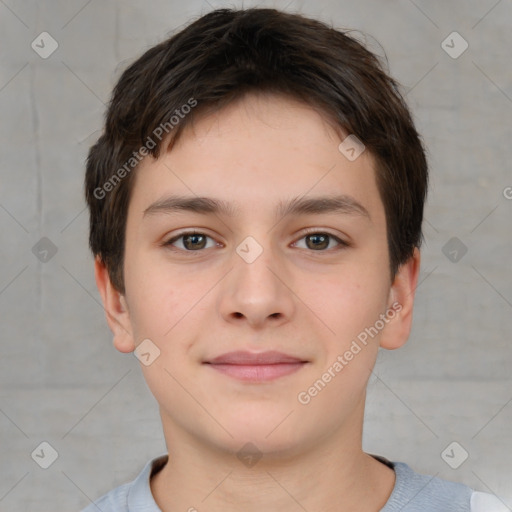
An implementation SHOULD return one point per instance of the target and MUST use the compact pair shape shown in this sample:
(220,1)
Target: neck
(332,475)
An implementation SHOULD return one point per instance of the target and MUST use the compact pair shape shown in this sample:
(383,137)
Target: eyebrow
(297,206)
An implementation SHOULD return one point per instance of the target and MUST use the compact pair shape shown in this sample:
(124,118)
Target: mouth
(256,367)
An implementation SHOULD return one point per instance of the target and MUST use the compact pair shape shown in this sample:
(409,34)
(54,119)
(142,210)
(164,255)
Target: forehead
(256,152)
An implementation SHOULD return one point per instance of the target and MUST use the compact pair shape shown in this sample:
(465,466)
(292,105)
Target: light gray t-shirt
(413,492)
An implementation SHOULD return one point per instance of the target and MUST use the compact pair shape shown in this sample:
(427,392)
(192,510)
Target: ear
(401,300)
(116,309)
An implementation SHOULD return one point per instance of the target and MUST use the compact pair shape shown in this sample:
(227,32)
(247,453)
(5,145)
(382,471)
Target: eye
(192,241)
(320,240)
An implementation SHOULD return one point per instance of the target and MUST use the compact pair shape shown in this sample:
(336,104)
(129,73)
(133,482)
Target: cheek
(153,298)
(165,307)
(351,301)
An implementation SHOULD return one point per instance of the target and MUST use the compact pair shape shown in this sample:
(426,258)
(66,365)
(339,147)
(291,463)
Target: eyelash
(311,231)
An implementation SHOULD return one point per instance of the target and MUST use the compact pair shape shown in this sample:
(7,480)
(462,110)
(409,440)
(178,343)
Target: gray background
(61,381)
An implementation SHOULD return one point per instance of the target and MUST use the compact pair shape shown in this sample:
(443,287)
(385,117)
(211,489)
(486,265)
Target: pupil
(316,237)
(190,241)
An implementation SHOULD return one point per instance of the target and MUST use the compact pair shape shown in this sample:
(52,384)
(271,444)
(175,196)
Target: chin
(268,434)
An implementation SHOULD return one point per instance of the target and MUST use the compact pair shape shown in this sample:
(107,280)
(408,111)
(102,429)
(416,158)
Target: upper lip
(241,357)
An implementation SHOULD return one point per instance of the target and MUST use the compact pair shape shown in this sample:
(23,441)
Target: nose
(257,291)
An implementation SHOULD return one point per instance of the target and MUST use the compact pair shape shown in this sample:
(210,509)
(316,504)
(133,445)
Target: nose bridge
(254,288)
(254,262)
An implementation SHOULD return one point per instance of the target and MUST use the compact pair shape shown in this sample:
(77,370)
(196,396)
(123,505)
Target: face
(276,269)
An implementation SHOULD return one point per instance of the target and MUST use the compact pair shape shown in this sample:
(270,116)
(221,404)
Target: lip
(256,367)
(242,357)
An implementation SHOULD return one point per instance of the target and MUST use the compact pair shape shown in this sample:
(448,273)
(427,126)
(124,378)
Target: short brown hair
(226,54)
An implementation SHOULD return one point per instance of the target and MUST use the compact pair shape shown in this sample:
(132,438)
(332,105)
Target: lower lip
(257,373)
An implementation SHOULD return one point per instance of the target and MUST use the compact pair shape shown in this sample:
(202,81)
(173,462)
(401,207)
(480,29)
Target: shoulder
(415,492)
(114,501)
(134,496)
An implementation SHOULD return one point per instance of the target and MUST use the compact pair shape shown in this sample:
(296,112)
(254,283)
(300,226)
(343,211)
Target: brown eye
(191,241)
(320,241)
(317,241)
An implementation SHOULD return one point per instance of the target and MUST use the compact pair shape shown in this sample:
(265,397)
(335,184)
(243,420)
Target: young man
(256,203)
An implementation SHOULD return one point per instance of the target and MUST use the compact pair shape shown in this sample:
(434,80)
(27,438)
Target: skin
(295,298)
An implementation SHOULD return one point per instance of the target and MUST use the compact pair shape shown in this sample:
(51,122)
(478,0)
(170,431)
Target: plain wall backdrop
(61,380)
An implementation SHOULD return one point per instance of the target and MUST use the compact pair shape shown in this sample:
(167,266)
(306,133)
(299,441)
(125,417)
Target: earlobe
(401,301)
(116,309)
